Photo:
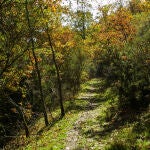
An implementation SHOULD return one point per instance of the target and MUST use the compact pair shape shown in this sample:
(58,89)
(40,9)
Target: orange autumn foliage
(118,29)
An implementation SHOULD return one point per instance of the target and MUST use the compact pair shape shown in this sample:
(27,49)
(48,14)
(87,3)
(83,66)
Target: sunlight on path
(74,136)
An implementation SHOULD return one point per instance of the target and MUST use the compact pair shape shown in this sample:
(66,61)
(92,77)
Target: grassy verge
(102,128)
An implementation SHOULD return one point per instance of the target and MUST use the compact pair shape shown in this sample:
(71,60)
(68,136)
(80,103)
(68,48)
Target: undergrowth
(107,129)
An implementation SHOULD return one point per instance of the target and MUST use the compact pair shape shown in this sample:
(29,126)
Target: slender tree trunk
(24,122)
(57,69)
(36,65)
(83,21)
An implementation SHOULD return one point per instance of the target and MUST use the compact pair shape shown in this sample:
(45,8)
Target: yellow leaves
(53,8)
(140,6)
(23,96)
(118,28)
(45,44)
(30,68)
(63,39)
(52,5)
(59,58)
(14,110)
(124,58)
(70,44)
(148,61)
(121,21)
(111,37)
(58,44)
(11,87)
(29,106)
(28,74)
(39,59)
(20,103)
(27,111)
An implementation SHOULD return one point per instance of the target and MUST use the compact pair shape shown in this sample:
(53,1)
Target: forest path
(87,119)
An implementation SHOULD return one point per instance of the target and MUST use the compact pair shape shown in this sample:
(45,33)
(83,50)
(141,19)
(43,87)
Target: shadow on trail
(91,97)
(90,103)
(82,104)
(113,124)
(85,104)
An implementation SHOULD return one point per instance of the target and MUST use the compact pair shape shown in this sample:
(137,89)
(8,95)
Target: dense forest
(52,51)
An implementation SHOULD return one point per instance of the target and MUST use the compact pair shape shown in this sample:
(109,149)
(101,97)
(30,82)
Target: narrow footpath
(87,120)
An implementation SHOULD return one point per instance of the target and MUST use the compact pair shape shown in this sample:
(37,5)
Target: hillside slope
(91,122)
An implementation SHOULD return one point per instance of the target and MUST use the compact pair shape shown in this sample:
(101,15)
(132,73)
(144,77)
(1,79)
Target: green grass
(54,137)
(104,129)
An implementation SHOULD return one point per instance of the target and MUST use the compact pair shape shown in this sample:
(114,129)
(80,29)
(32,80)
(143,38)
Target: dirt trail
(74,136)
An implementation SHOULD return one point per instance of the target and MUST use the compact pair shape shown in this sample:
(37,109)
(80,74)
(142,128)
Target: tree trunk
(36,65)
(57,69)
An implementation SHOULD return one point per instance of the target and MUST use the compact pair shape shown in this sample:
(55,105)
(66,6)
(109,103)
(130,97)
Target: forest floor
(91,122)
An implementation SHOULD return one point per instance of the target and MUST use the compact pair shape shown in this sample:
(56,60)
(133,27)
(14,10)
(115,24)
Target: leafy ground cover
(92,121)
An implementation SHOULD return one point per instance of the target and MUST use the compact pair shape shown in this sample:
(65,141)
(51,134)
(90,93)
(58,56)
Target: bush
(128,68)
(117,146)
